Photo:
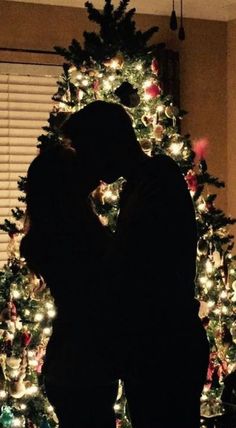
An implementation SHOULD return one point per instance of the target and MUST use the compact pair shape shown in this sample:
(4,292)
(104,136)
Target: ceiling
(220,10)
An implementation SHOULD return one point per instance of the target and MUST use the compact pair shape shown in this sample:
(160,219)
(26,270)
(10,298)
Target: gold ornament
(116,63)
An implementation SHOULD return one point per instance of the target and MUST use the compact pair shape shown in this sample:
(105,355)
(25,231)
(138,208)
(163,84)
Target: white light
(232,271)
(15,294)
(209,284)
(147,83)
(225,310)
(203,279)
(107,85)
(23,406)
(27,312)
(202,206)
(209,266)
(147,97)
(38,317)
(31,354)
(112,77)
(16,422)
(51,313)
(210,304)
(33,389)
(160,108)
(33,363)
(139,67)
(175,148)
(217,311)
(2,393)
(79,76)
(50,409)
(47,331)
(204,397)
(85,82)
(223,294)
(49,305)
(116,407)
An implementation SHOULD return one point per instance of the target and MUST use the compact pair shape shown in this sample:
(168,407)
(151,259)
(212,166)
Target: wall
(203,61)
(231,108)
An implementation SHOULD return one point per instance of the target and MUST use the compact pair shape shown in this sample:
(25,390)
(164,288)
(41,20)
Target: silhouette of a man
(152,337)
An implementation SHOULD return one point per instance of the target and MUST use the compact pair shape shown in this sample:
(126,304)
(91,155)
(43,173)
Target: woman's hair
(51,202)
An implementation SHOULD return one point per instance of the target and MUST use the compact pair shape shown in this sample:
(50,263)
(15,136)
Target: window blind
(25,103)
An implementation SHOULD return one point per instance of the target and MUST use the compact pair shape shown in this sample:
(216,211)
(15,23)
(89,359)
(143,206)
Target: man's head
(104,138)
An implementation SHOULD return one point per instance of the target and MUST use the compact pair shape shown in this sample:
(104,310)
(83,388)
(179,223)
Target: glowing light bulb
(217,311)
(51,313)
(27,312)
(201,206)
(49,305)
(112,77)
(85,82)
(175,148)
(203,279)
(15,294)
(209,266)
(147,83)
(116,407)
(160,108)
(223,294)
(79,76)
(33,363)
(50,409)
(16,422)
(47,331)
(31,354)
(23,406)
(139,67)
(38,317)
(225,310)
(2,393)
(210,304)
(107,85)
(209,284)
(232,271)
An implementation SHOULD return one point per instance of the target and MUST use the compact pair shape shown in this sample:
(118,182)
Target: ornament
(233,295)
(128,95)
(155,66)
(6,417)
(191,179)
(202,247)
(146,120)
(25,337)
(153,90)
(45,423)
(200,147)
(17,388)
(216,259)
(9,312)
(171,111)
(203,309)
(13,363)
(116,63)
(147,146)
(158,131)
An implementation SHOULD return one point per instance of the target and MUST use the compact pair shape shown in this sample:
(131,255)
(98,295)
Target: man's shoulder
(163,165)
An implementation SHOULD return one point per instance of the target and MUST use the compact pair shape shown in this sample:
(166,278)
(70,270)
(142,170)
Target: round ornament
(171,111)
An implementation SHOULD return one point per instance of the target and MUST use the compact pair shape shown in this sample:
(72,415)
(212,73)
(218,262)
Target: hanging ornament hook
(173,18)
(181,29)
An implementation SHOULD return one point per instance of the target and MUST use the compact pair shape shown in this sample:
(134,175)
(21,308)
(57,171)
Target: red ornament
(191,179)
(155,66)
(153,90)
(25,338)
(200,148)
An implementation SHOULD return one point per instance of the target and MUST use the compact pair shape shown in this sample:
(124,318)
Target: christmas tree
(118,64)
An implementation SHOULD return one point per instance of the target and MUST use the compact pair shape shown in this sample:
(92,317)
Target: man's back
(155,245)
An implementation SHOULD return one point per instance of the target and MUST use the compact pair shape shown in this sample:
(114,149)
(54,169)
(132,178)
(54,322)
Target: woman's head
(52,206)
(51,187)
(103,135)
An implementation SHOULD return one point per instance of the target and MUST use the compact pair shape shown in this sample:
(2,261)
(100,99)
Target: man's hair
(99,124)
